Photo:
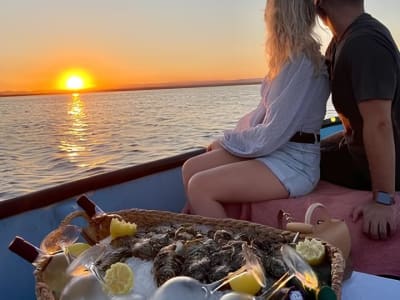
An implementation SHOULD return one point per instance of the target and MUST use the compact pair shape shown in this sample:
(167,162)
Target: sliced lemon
(245,283)
(312,250)
(76,249)
(119,279)
(120,228)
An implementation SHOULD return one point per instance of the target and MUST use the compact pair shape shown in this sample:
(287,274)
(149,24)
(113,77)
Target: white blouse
(293,101)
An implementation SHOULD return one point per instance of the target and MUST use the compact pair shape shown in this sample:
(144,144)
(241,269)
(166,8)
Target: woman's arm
(292,93)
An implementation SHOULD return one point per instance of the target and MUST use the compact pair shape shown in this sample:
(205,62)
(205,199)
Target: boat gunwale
(61,192)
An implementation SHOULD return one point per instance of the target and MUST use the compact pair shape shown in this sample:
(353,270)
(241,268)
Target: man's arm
(379,220)
(379,143)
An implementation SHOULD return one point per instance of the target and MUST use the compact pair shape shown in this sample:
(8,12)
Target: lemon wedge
(120,228)
(76,249)
(118,279)
(312,250)
(245,283)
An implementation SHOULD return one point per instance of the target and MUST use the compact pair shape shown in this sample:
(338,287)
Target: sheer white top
(293,101)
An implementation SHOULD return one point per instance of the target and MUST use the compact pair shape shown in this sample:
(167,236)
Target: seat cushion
(368,256)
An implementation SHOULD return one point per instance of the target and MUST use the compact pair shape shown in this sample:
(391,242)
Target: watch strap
(384,198)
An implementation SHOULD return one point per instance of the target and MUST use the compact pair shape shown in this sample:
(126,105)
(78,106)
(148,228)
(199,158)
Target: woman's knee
(187,170)
(197,186)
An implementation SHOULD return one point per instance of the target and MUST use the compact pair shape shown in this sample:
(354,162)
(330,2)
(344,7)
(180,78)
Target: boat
(155,185)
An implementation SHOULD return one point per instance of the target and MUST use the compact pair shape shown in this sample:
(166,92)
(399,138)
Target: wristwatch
(384,198)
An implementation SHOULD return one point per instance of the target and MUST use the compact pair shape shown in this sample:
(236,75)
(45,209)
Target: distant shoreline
(138,88)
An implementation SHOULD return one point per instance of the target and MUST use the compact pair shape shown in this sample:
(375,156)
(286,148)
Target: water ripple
(48,140)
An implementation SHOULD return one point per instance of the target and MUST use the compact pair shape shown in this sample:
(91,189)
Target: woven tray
(98,229)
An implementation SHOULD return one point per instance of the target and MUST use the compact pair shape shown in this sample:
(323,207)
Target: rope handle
(79,213)
(307,227)
(73,215)
(326,217)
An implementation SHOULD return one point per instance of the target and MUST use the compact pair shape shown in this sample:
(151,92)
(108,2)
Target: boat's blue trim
(327,131)
(65,191)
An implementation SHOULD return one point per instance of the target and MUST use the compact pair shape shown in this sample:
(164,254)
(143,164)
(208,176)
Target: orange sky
(123,43)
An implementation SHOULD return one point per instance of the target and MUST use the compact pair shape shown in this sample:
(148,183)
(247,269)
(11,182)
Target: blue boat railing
(64,191)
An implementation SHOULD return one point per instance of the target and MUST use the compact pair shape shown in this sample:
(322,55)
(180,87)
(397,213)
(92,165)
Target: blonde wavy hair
(289,32)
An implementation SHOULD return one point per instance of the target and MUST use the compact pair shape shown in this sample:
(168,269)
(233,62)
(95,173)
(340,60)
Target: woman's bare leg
(243,181)
(206,161)
(216,157)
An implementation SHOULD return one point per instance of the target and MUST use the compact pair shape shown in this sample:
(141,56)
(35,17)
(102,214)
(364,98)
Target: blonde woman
(273,152)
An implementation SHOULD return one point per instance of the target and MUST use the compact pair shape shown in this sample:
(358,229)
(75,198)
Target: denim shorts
(296,165)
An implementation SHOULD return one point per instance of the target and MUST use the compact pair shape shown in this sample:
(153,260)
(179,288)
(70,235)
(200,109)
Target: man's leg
(338,166)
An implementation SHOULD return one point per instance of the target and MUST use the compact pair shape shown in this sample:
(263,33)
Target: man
(364,66)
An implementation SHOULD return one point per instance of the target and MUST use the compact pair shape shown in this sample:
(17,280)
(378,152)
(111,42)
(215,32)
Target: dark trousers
(338,166)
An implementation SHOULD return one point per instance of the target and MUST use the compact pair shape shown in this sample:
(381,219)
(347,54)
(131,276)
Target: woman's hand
(214,146)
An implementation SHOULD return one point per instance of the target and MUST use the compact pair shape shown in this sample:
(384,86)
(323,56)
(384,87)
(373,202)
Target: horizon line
(155,86)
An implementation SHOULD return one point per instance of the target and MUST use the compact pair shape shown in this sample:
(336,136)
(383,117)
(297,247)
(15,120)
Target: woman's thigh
(208,160)
(243,181)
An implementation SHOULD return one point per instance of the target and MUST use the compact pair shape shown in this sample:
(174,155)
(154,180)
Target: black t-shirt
(365,65)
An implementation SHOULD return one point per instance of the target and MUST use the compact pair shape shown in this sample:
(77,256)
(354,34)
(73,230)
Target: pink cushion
(369,256)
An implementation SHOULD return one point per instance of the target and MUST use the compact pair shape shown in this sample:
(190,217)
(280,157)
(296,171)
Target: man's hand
(379,221)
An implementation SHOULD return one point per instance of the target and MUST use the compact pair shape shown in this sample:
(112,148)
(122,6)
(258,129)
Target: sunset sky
(120,43)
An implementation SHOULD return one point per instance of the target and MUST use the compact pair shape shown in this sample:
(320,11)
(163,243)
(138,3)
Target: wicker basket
(98,229)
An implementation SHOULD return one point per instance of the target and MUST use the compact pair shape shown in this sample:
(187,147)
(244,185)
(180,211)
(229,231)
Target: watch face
(295,295)
(384,198)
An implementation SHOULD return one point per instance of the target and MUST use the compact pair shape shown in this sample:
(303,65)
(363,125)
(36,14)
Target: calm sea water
(48,140)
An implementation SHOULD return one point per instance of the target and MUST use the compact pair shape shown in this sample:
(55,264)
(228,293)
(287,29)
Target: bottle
(326,293)
(90,208)
(52,267)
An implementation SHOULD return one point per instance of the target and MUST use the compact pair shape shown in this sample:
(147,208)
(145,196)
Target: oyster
(168,262)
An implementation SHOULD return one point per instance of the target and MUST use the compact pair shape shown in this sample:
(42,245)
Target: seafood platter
(145,254)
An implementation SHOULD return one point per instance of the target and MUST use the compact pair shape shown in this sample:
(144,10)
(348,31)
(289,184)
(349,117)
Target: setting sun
(75,80)
(74,83)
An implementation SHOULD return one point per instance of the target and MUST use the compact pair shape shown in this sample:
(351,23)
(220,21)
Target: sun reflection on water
(74,145)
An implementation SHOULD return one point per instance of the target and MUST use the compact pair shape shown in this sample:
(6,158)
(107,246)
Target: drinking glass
(238,296)
(86,262)
(297,267)
(252,265)
(59,239)
(183,288)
